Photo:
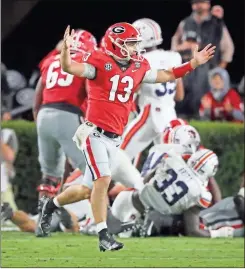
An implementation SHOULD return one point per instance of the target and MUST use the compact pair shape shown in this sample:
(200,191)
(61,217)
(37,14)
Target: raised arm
(72,67)
(199,58)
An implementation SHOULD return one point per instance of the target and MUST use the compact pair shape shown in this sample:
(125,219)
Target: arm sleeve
(226,46)
(150,76)
(192,223)
(177,36)
(235,100)
(89,71)
(205,200)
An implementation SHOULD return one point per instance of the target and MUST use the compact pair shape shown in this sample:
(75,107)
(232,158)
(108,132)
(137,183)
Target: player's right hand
(67,40)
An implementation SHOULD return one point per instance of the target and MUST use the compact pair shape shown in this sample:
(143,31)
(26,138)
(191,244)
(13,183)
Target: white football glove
(222,232)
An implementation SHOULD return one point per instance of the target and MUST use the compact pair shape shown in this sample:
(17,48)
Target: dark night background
(42,28)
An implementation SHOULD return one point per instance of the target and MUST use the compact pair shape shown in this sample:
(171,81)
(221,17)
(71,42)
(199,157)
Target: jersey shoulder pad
(94,57)
(175,58)
(205,199)
(145,64)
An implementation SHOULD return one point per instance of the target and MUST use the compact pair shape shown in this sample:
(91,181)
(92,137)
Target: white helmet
(150,31)
(185,135)
(204,162)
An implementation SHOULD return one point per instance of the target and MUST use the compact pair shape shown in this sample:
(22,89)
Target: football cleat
(46,217)
(107,242)
(6,212)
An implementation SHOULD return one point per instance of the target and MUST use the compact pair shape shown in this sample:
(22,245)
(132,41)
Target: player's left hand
(67,40)
(201,57)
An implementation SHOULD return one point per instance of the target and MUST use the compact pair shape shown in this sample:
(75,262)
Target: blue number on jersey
(166,183)
(167,87)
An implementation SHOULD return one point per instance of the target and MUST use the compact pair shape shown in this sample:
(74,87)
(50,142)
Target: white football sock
(100,226)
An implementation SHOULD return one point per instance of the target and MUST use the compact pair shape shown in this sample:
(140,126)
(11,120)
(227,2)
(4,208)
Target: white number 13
(128,89)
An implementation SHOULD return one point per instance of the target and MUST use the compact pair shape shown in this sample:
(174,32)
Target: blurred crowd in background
(209,92)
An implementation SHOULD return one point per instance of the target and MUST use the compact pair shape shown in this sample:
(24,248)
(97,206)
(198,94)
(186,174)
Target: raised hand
(203,56)
(67,40)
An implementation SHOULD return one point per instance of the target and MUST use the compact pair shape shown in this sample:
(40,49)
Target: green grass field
(68,250)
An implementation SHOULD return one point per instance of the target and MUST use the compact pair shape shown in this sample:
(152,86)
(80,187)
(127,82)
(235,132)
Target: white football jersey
(156,154)
(174,188)
(161,94)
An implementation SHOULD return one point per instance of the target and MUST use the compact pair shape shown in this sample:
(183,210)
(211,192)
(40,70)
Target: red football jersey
(218,111)
(61,86)
(110,93)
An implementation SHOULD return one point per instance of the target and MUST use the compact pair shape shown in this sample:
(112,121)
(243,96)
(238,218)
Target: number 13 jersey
(110,92)
(174,188)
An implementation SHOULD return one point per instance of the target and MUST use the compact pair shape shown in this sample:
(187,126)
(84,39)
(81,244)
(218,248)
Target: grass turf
(74,250)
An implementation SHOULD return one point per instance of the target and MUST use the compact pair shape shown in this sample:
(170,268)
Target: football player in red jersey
(222,102)
(113,77)
(57,112)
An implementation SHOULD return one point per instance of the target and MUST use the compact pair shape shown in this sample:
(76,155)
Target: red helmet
(83,41)
(118,40)
(171,125)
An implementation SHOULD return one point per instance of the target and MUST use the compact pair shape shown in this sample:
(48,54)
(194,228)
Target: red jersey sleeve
(234,99)
(208,97)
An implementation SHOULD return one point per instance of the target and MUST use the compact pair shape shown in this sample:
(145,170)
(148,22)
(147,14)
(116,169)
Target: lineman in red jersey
(57,102)
(53,52)
(222,102)
(213,186)
(113,78)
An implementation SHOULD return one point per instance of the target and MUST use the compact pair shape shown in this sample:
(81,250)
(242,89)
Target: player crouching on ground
(224,219)
(176,136)
(174,188)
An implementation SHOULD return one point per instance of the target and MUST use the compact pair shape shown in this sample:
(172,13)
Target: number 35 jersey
(160,94)
(110,92)
(174,188)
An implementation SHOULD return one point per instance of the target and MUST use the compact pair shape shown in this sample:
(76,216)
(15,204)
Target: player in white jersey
(183,139)
(224,219)
(156,102)
(175,187)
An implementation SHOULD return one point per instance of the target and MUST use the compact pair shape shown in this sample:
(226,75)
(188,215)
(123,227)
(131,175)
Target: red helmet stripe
(202,160)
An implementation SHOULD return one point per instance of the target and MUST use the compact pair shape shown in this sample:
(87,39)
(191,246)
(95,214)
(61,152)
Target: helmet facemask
(129,48)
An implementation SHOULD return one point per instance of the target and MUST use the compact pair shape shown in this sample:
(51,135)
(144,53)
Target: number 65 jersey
(174,188)
(61,87)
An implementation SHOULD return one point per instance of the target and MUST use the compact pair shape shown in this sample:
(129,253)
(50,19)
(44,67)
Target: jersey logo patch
(108,66)
(137,65)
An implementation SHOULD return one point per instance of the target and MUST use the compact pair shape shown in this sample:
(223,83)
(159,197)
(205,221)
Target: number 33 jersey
(111,90)
(174,188)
